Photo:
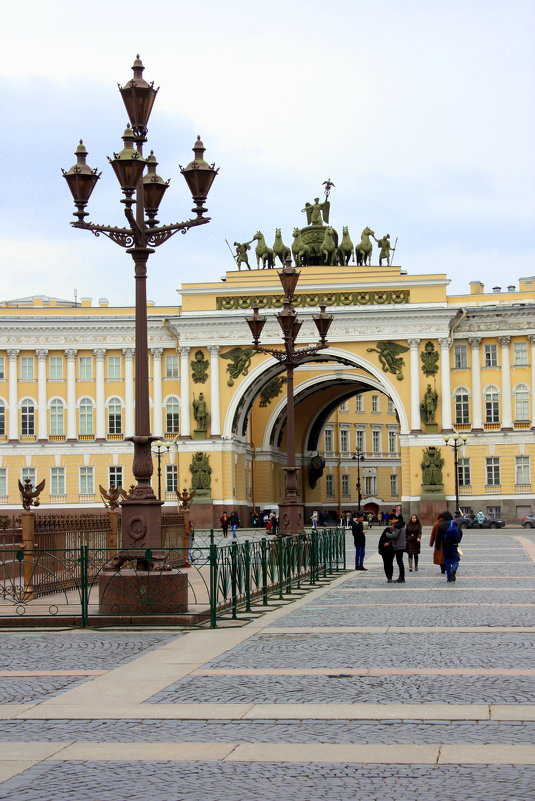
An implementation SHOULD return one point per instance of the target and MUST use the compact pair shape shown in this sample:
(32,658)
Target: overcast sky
(422,114)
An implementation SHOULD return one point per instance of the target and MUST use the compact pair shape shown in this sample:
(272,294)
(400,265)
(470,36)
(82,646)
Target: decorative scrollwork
(358,298)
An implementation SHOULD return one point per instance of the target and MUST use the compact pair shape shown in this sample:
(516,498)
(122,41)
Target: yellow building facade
(67,393)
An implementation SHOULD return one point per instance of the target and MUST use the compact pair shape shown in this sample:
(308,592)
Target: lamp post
(291,509)
(141,517)
(359,457)
(159,448)
(457,441)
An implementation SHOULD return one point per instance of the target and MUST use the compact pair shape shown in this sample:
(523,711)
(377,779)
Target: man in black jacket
(359,538)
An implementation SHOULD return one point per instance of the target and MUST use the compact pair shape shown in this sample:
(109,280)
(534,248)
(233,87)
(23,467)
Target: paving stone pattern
(270,731)
(196,781)
(23,690)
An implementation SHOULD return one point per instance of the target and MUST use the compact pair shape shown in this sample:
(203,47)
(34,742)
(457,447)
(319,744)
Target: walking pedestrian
(413,534)
(399,543)
(387,552)
(234,523)
(224,522)
(359,538)
(450,535)
(435,541)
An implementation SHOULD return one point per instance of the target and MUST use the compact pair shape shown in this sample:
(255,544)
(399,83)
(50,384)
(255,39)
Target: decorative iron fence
(86,585)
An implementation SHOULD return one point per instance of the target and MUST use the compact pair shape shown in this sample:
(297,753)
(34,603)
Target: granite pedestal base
(141,592)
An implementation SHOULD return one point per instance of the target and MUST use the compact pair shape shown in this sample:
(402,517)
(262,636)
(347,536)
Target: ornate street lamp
(141,516)
(160,448)
(291,509)
(359,457)
(457,441)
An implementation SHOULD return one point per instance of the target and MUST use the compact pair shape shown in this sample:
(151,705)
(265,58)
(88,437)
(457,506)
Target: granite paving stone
(395,615)
(23,690)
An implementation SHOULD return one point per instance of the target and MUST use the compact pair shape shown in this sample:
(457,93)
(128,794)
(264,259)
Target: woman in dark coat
(387,552)
(413,533)
(436,540)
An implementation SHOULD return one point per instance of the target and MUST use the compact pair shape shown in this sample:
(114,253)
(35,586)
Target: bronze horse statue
(263,252)
(363,251)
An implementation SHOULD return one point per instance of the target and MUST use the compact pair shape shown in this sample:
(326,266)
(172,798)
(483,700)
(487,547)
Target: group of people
(400,538)
(232,520)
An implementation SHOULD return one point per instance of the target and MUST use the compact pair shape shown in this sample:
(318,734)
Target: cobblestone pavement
(125,733)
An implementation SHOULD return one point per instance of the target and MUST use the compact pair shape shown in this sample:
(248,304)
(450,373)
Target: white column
(42,416)
(215,417)
(100,353)
(157,428)
(129,426)
(532,340)
(477,420)
(445,386)
(507,408)
(185,424)
(13,430)
(416,423)
(71,393)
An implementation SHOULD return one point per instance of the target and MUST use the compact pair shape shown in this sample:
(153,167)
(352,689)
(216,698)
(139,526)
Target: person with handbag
(399,543)
(387,552)
(413,533)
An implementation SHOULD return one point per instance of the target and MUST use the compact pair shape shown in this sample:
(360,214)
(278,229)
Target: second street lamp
(291,509)
(457,441)
(159,449)
(141,511)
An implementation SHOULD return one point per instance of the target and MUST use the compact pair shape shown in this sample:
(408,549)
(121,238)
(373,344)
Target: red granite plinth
(139,592)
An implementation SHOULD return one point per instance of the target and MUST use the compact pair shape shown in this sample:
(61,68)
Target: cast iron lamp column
(359,458)
(141,517)
(161,447)
(457,441)
(291,509)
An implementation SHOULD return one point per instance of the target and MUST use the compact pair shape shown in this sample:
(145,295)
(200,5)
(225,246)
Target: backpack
(453,534)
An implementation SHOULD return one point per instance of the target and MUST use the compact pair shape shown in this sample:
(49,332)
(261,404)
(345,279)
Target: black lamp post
(141,517)
(160,448)
(359,457)
(457,441)
(291,509)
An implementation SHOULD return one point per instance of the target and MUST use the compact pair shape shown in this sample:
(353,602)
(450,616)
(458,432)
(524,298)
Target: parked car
(529,520)
(471,521)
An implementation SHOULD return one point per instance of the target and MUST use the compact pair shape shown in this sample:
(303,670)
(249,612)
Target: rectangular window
(370,485)
(171,366)
(328,439)
(116,475)
(359,403)
(2,420)
(394,485)
(344,440)
(463,472)
(28,472)
(494,511)
(171,478)
(329,486)
(114,418)
(346,487)
(86,417)
(390,406)
(56,418)
(375,403)
(114,366)
(460,357)
(27,420)
(26,368)
(57,481)
(522,470)
(461,408)
(392,442)
(85,367)
(361,440)
(520,354)
(376,441)
(3,482)
(491,356)
(343,407)
(55,366)
(2,367)
(86,481)
(492,407)
(493,471)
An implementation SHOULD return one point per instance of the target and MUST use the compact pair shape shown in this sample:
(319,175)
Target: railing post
(84,589)
(300,538)
(234,577)
(280,560)
(211,536)
(213,585)
(247,551)
(313,557)
(28,537)
(263,551)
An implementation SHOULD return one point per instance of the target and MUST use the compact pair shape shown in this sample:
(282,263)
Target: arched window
(462,408)
(171,416)
(56,418)
(115,419)
(521,402)
(492,406)
(2,419)
(86,416)
(27,428)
